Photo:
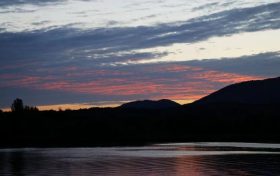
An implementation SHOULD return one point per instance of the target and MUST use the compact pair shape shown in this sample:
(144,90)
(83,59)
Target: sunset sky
(84,53)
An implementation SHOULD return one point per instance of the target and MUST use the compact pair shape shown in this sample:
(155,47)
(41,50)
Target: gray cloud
(206,6)
(64,44)
(4,3)
(182,78)
(49,54)
(265,64)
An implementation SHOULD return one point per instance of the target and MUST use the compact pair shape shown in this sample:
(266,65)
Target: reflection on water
(194,159)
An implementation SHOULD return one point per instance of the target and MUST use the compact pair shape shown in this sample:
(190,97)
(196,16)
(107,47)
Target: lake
(182,159)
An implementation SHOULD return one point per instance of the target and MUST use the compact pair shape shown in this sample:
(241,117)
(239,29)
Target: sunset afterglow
(76,54)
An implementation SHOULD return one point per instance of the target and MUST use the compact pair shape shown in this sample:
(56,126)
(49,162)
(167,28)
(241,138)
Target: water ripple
(190,159)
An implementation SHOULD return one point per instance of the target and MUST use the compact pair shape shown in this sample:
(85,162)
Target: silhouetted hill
(246,112)
(261,92)
(150,104)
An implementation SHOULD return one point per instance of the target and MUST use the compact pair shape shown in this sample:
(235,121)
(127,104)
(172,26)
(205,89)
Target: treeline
(18,106)
(118,126)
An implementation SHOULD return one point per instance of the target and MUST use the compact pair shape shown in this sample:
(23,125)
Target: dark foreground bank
(117,126)
(243,112)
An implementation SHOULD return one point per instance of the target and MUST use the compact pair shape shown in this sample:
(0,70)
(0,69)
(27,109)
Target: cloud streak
(5,3)
(155,81)
(105,45)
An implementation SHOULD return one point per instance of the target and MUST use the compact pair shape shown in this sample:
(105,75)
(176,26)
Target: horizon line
(88,105)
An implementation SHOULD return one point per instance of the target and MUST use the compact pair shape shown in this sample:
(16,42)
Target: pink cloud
(185,82)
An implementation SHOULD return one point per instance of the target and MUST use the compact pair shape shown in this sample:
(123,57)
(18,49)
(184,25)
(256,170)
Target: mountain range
(242,112)
(256,92)
(150,104)
(259,92)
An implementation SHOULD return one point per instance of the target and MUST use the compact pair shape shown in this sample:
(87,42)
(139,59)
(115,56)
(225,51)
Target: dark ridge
(243,112)
(150,104)
(260,92)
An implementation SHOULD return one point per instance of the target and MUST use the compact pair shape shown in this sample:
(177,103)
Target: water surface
(182,159)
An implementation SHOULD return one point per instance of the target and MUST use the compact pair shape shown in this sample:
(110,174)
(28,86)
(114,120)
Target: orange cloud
(223,77)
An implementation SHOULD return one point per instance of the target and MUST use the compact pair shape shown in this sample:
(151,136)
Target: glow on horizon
(78,66)
(77,106)
(203,83)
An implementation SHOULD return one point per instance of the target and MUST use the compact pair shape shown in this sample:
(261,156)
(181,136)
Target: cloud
(264,64)
(206,6)
(66,44)
(153,81)
(74,64)
(107,13)
(5,3)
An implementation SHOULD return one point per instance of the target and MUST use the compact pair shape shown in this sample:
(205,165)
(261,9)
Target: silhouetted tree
(31,109)
(17,105)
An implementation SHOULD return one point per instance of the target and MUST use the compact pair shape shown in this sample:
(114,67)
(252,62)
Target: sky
(84,53)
